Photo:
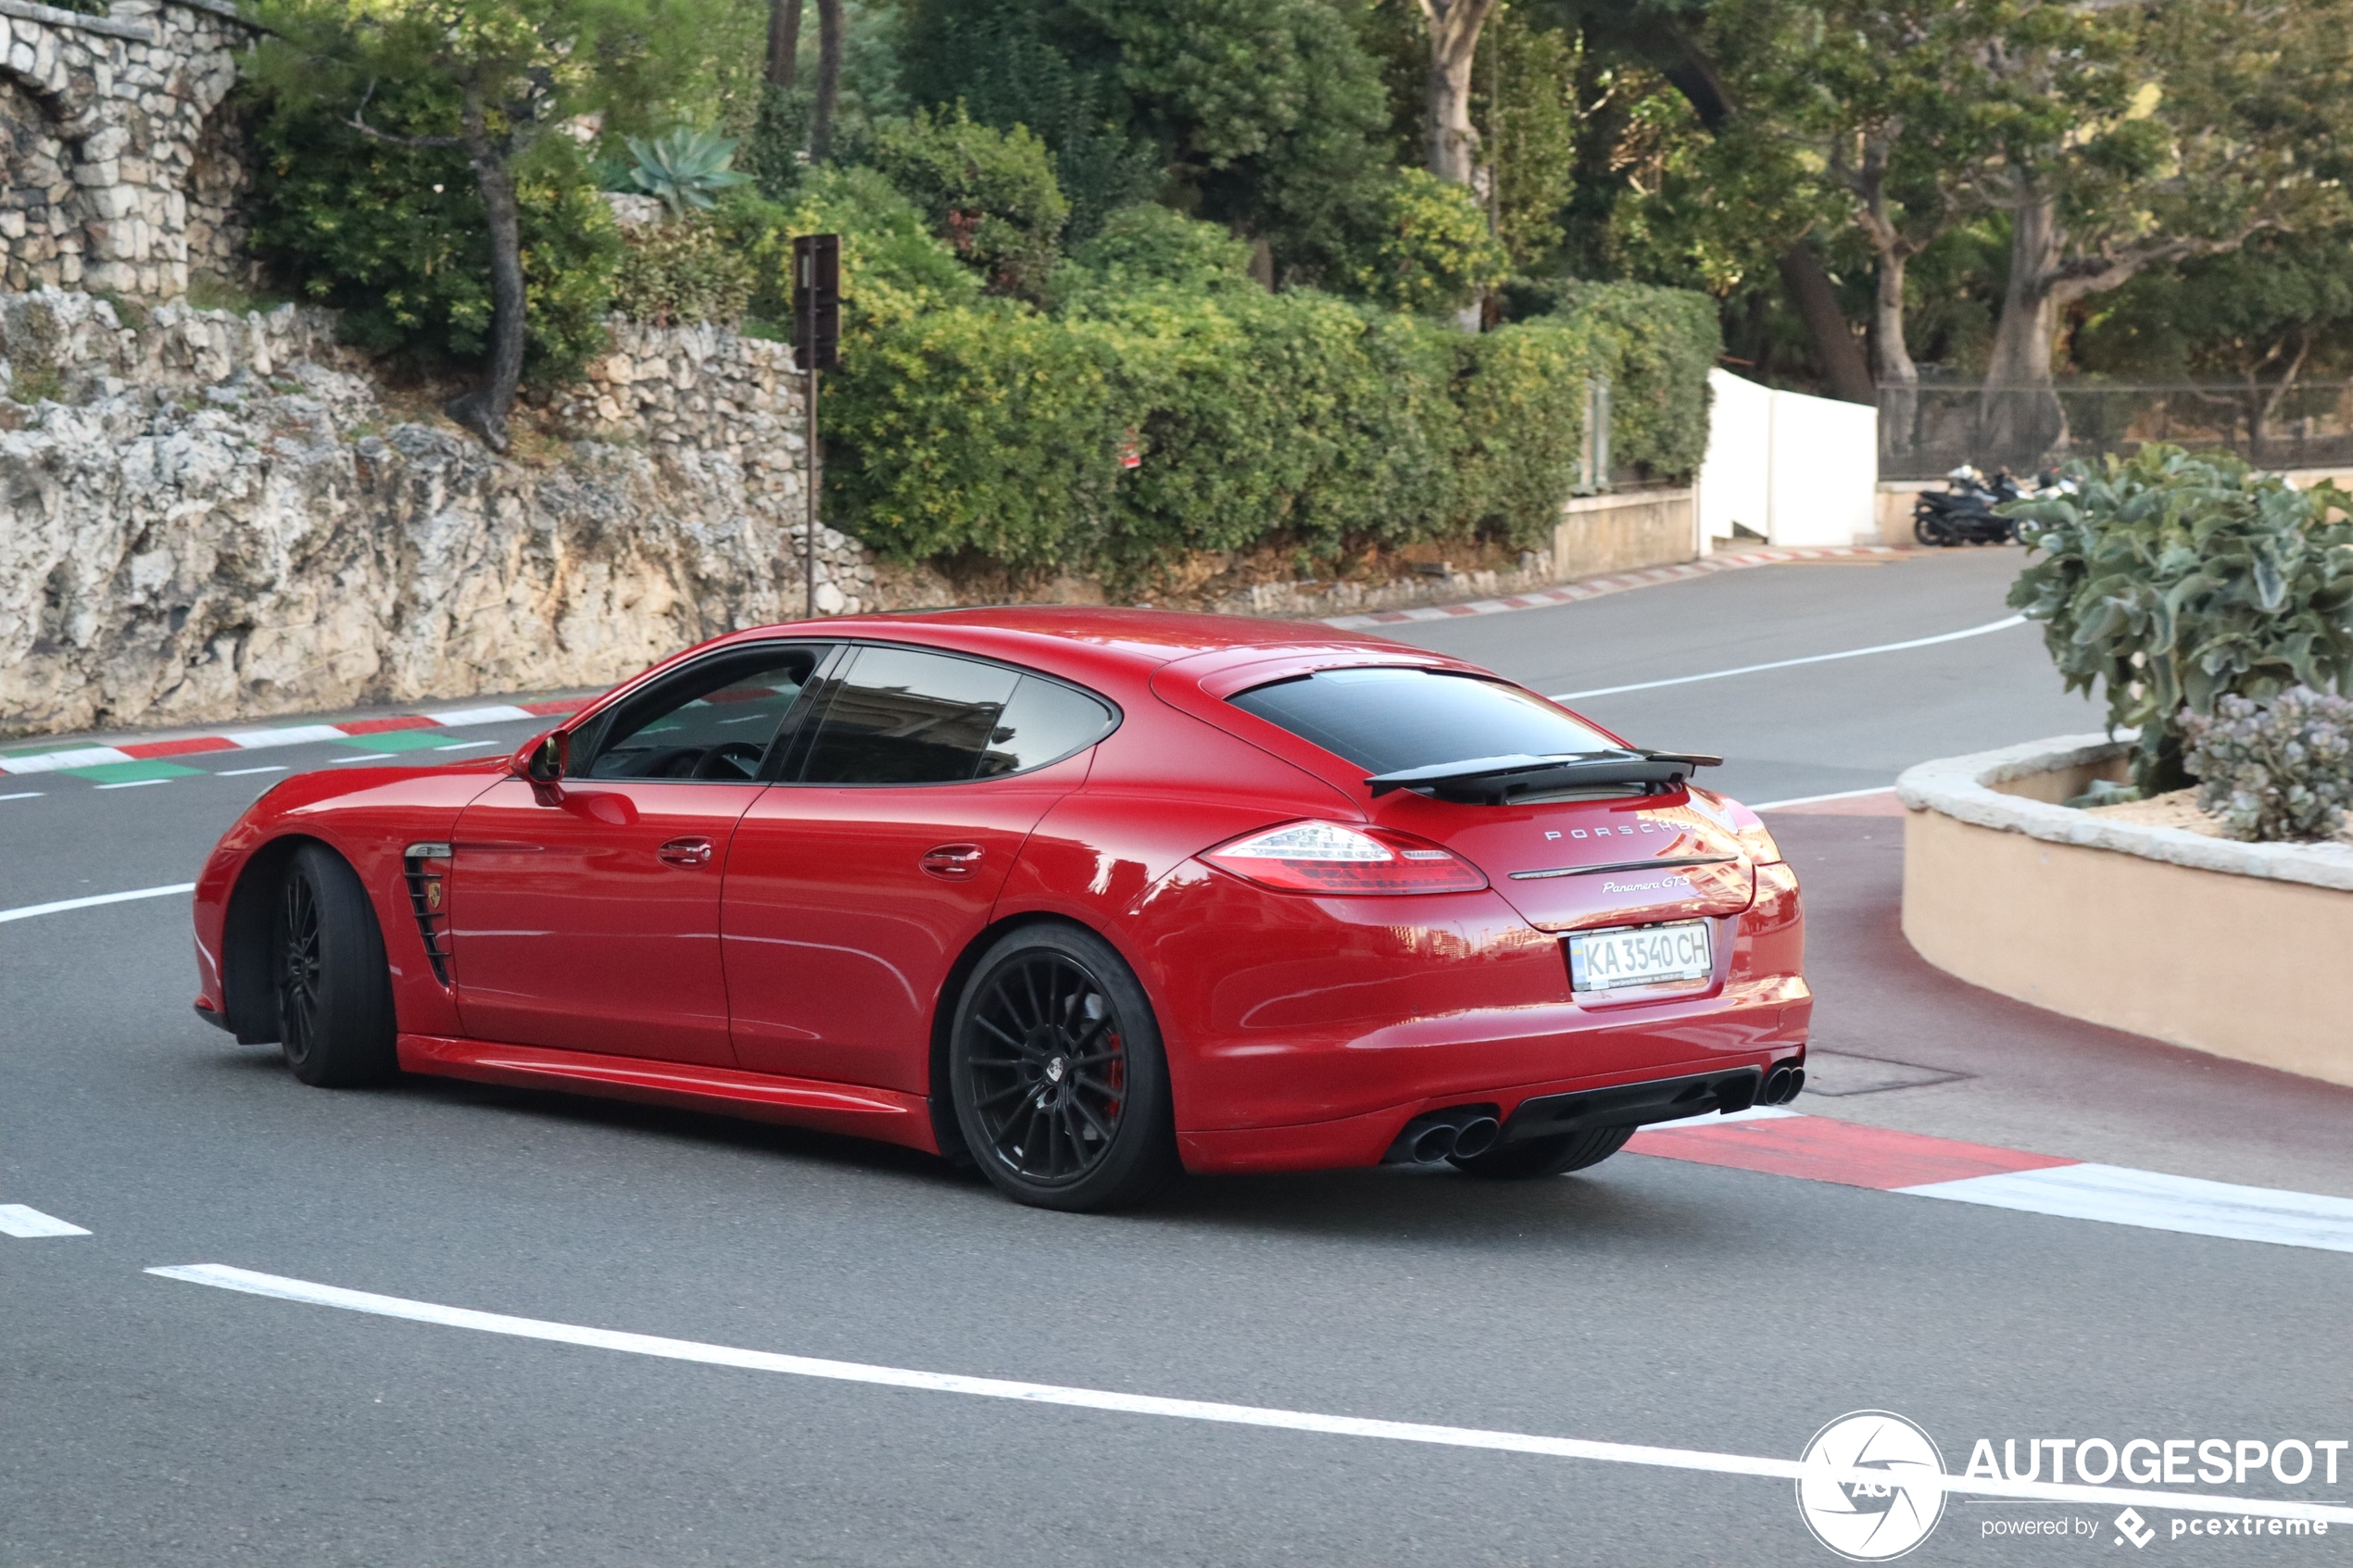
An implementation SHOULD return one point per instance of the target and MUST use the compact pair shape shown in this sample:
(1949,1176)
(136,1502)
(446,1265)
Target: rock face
(207,516)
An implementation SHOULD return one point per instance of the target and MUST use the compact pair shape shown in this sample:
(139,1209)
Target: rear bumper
(1693,1086)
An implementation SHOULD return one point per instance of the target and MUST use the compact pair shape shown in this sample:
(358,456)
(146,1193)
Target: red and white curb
(296,735)
(1785,1143)
(1595,587)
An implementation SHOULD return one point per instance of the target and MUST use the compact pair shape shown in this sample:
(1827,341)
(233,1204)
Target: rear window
(1385,721)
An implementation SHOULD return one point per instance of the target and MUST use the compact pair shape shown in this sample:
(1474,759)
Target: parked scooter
(1963,513)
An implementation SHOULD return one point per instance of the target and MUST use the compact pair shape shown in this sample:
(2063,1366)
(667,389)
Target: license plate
(1639,955)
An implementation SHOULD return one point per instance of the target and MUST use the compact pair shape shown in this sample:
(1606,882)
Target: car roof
(1084,641)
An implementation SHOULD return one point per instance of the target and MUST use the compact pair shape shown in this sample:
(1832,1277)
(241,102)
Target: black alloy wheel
(1060,1087)
(336,1021)
(1547,1157)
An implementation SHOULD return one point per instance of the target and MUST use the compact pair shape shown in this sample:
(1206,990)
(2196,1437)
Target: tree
(2133,137)
(821,119)
(489,79)
(784,43)
(1453,46)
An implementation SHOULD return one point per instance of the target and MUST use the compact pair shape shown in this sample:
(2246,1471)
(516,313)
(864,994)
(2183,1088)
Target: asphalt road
(148,1421)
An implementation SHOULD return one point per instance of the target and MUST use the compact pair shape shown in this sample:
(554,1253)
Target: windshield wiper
(1498,779)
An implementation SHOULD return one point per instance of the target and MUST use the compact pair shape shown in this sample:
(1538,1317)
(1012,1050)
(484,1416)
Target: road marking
(241,773)
(1595,587)
(2153,1199)
(2002,626)
(1819,799)
(62,905)
(297,734)
(372,757)
(499,715)
(469,745)
(19,1221)
(1822,1149)
(23,794)
(221,1276)
(133,784)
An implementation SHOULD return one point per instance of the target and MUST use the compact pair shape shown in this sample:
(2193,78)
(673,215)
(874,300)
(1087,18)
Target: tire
(1929,531)
(333,988)
(1057,1075)
(1547,1157)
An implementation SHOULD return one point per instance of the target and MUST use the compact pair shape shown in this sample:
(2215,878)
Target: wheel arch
(939,1095)
(245,937)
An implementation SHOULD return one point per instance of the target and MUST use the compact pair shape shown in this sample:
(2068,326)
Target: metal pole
(808,485)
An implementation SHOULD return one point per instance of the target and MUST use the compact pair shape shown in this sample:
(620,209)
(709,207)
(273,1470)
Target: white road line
(2154,1200)
(223,1277)
(2002,626)
(371,757)
(465,745)
(62,905)
(23,794)
(19,1221)
(1817,799)
(133,784)
(241,773)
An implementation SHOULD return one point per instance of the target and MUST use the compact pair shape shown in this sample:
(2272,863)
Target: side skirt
(850,1109)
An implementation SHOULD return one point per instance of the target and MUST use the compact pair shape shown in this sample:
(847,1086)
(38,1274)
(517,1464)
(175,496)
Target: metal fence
(1928,431)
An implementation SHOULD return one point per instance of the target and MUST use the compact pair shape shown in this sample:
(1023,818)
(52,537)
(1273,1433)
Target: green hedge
(1295,418)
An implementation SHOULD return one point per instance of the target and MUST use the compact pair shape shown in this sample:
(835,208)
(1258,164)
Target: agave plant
(2174,580)
(684,167)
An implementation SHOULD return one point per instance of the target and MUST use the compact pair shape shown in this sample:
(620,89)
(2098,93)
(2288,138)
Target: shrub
(2174,580)
(989,194)
(891,267)
(1146,243)
(2277,771)
(394,237)
(1656,346)
(975,427)
(682,271)
(1434,251)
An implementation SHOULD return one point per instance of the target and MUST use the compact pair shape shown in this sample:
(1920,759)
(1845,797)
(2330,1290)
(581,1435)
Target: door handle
(685,852)
(953,862)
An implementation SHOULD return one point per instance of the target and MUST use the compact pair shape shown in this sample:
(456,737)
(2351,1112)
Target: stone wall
(205,516)
(107,123)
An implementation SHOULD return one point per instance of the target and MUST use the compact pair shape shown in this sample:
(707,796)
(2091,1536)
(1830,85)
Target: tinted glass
(899,716)
(1387,719)
(1045,721)
(714,721)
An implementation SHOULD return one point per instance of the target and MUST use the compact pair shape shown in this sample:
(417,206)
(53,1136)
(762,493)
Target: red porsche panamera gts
(1087,896)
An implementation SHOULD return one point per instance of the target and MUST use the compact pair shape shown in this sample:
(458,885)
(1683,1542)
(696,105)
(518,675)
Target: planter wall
(2244,950)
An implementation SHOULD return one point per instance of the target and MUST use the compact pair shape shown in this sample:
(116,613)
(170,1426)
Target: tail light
(1333,857)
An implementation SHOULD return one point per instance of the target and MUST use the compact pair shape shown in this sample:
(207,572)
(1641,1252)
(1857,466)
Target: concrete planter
(2244,950)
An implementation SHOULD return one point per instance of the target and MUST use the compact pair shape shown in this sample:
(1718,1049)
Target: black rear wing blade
(1497,779)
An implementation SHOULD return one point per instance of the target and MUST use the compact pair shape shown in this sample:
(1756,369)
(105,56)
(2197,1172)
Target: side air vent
(426,867)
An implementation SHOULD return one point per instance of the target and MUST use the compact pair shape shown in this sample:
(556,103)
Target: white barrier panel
(1798,469)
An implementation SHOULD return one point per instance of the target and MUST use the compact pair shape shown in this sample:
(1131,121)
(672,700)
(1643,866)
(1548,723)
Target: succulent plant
(2281,769)
(684,167)
(2174,580)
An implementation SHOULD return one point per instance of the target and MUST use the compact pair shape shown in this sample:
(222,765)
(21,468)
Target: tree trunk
(821,123)
(1816,301)
(484,410)
(2019,420)
(1899,378)
(1454,45)
(784,42)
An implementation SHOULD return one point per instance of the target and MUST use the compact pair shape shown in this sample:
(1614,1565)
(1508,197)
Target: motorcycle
(1963,513)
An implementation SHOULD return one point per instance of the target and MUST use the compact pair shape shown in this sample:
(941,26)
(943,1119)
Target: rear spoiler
(1495,780)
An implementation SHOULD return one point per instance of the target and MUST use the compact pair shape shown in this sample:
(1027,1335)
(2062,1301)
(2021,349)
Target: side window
(1044,722)
(713,721)
(903,716)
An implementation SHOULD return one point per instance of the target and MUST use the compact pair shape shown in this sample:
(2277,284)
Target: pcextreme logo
(1872,1486)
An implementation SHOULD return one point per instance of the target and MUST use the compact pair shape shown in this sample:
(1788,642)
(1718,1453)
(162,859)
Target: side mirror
(543,761)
